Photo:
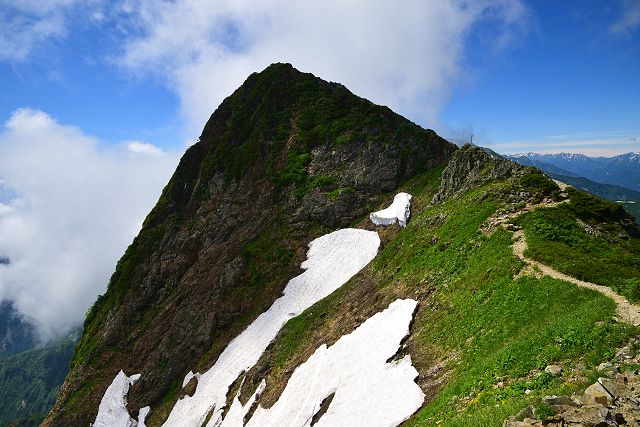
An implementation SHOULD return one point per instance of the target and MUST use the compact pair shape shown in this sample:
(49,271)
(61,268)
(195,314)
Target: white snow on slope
(113,406)
(331,261)
(188,377)
(368,391)
(399,211)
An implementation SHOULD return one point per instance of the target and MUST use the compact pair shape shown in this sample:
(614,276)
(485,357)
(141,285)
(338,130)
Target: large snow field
(332,260)
(367,390)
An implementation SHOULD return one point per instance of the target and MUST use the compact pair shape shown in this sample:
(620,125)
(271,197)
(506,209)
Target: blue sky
(564,69)
(570,79)
(100,98)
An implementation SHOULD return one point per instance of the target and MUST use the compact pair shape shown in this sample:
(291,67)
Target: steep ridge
(483,333)
(286,158)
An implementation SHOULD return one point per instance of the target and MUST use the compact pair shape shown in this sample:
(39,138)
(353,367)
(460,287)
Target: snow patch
(142,416)
(399,212)
(332,260)
(369,391)
(113,406)
(188,377)
(237,412)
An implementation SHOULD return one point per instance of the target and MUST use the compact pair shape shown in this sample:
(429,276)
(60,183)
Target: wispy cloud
(76,206)
(629,19)
(406,55)
(26,25)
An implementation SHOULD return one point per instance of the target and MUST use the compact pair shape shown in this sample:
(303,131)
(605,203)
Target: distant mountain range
(30,372)
(622,170)
(612,178)
(16,334)
(30,380)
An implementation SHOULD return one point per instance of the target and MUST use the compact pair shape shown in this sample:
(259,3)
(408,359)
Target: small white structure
(113,406)
(399,212)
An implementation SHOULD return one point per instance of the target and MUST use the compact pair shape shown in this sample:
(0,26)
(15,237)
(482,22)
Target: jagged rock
(527,422)
(471,166)
(615,389)
(525,413)
(589,416)
(605,366)
(610,401)
(191,386)
(624,353)
(554,370)
(595,394)
(558,400)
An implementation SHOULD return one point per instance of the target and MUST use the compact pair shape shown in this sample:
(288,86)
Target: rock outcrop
(613,400)
(472,166)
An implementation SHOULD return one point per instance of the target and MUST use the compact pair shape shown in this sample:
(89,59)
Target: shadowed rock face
(472,166)
(285,158)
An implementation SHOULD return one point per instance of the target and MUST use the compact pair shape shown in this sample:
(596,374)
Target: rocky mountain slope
(30,380)
(286,158)
(440,320)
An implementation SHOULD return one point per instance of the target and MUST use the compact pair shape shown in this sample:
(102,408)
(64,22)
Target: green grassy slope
(626,197)
(490,335)
(584,239)
(29,382)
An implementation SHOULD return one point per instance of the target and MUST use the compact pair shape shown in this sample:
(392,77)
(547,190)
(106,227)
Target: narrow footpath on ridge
(625,310)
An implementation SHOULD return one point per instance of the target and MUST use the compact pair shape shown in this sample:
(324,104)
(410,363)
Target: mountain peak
(285,158)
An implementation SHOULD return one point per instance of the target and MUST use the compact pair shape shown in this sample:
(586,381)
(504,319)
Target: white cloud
(139,147)
(77,206)
(630,19)
(26,25)
(405,54)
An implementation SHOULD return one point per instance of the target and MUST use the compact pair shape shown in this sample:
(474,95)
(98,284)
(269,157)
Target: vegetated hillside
(628,198)
(31,372)
(623,170)
(286,158)
(587,238)
(30,380)
(485,330)
(16,334)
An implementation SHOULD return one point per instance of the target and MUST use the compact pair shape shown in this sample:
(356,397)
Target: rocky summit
(284,159)
(319,259)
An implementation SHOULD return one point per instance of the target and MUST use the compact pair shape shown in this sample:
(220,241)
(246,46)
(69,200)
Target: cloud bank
(76,207)
(404,54)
